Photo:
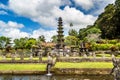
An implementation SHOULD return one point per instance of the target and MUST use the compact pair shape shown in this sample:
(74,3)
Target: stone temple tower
(60,37)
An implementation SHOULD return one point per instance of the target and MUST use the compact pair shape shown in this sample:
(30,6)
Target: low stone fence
(22,72)
(84,71)
(84,60)
(60,60)
(22,61)
(63,71)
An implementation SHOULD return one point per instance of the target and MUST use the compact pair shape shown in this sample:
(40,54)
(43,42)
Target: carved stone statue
(116,69)
(50,64)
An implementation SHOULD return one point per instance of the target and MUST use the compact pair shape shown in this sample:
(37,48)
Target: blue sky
(32,18)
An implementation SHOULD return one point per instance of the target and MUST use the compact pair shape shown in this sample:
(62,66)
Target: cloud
(72,15)
(2,6)
(10,24)
(47,34)
(47,12)
(12,29)
(99,5)
(66,2)
(85,4)
(3,12)
(96,6)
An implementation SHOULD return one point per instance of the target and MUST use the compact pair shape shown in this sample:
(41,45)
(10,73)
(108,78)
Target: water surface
(55,77)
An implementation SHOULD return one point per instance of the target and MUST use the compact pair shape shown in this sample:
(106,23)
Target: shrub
(101,46)
(112,41)
(118,45)
(113,48)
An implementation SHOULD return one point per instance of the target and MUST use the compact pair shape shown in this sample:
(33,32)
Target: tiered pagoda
(60,36)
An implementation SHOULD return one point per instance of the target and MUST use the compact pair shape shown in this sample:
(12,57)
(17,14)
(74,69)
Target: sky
(33,18)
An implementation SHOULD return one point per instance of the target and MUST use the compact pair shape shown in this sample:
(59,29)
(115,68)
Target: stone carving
(116,69)
(50,64)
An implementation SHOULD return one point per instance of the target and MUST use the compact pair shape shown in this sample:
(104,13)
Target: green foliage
(54,38)
(101,46)
(105,22)
(87,31)
(109,21)
(118,45)
(41,38)
(20,43)
(71,40)
(93,30)
(73,32)
(4,41)
(24,43)
(112,41)
(117,5)
(30,42)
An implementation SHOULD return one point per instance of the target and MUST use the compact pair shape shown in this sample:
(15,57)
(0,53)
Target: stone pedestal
(103,56)
(61,52)
(40,55)
(13,57)
(21,57)
(85,56)
(4,57)
(31,57)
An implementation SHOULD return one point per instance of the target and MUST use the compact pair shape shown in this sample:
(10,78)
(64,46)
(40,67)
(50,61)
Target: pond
(55,77)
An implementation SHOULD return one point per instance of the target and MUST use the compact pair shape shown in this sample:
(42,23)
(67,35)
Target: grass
(22,67)
(84,65)
(42,67)
(27,58)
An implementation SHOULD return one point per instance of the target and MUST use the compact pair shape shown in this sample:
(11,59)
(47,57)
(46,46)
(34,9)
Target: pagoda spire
(60,36)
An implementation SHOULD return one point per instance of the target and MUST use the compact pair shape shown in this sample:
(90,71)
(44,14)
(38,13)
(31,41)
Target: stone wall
(84,71)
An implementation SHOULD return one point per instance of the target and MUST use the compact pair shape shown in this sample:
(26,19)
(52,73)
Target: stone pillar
(40,55)
(21,56)
(4,57)
(31,57)
(13,57)
(84,55)
(103,56)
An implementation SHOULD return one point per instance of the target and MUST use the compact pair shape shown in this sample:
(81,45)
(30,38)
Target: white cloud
(15,25)
(2,6)
(72,15)
(85,4)
(46,12)
(97,5)
(66,2)
(47,34)
(38,10)
(3,12)
(100,5)
(11,29)
(10,24)
(15,33)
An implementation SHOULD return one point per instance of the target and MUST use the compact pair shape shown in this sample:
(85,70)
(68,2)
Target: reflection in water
(63,77)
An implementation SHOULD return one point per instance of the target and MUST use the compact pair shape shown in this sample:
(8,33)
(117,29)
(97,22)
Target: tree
(4,41)
(106,22)
(117,18)
(41,38)
(20,43)
(71,24)
(54,38)
(30,42)
(71,40)
(73,32)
